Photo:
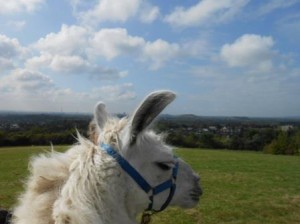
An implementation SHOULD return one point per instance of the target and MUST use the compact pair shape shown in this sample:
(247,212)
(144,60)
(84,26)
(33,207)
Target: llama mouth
(195,194)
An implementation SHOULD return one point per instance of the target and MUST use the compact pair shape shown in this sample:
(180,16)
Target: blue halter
(134,174)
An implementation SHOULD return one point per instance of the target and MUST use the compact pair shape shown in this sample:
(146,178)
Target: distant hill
(184,119)
(217,120)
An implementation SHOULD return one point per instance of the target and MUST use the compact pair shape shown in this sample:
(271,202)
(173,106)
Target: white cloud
(61,51)
(159,52)
(149,14)
(9,48)
(75,49)
(6,64)
(69,40)
(101,73)
(272,5)
(116,92)
(111,43)
(37,62)
(23,81)
(198,47)
(69,64)
(73,65)
(205,12)
(15,6)
(16,24)
(249,50)
(109,10)
(95,12)
(24,89)
(227,92)
(10,51)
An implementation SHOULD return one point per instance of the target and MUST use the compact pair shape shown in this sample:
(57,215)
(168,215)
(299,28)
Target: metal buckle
(146,217)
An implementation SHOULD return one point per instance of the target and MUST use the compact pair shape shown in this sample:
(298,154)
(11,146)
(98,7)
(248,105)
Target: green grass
(14,170)
(239,187)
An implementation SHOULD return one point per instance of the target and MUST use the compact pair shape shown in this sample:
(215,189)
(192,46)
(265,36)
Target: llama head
(147,152)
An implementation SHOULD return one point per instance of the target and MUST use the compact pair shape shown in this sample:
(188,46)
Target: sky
(221,58)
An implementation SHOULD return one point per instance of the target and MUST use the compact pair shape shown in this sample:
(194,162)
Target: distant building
(212,128)
(14,126)
(224,130)
(286,127)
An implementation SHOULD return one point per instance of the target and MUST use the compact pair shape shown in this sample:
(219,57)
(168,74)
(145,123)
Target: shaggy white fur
(85,185)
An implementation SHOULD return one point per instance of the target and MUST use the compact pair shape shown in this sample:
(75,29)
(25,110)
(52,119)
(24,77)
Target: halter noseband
(134,174)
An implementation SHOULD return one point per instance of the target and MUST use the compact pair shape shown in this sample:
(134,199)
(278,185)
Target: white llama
(89,183)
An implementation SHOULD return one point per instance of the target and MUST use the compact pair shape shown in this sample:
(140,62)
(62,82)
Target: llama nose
(196,177)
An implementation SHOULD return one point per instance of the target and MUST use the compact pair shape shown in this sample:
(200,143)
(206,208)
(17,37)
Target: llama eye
(163,166)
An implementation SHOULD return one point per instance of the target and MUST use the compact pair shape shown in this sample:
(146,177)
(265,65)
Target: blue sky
(229,57)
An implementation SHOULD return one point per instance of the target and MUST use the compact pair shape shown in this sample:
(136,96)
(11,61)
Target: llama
(88,184)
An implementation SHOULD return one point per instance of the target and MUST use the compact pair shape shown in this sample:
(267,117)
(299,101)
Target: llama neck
(95,192)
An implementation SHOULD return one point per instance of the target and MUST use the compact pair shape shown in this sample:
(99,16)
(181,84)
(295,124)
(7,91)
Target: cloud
(100,11)
(69,40)
(77,40)
(24,89)
(205,12)
(123,91)
(37,62)
(15,6)
(111,43)
(253,76)
(77,65)
(6,64)
(102,73)
(10,50)
(108,10)
(270,6)
(16,25)
(73,65)
(224,91)
(149,13)
(22,81)
(159,52)
(68,64)
(249,50)
(62,51)
(198,47)
(76,49)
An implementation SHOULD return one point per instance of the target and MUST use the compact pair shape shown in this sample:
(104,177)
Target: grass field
(239,187)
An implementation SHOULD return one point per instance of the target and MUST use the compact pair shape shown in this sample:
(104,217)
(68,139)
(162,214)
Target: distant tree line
(62,132)
(269,139)
(286,143)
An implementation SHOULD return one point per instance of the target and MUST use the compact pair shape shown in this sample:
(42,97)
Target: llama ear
(100,115)
(149,109)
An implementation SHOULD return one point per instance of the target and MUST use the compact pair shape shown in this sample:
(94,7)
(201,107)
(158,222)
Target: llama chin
(88,185)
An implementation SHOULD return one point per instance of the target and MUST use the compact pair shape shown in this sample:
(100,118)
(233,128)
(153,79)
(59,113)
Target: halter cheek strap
(169,184)
(134,174)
